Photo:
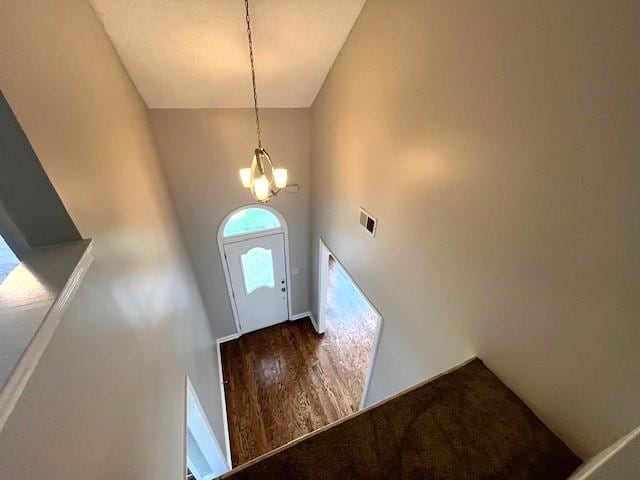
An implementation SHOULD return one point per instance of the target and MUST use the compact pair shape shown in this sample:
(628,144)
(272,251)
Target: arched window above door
(250,220)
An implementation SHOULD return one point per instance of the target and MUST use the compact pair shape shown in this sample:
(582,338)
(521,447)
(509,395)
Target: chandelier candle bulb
(280,177)
(245,176)
(261,188)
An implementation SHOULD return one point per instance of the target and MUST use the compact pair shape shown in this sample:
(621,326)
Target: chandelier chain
(253,74)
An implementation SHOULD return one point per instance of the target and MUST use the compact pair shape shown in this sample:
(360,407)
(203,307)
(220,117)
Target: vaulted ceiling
(193,53)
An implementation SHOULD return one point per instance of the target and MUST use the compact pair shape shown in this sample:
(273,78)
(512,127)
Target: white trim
(225,418)
(211,440)
(228,338)
(309,314)
(374,355)
(594,463)
(185,459)
(251,235)
(25,367)
(222,240)
(323,280)
(194,470)
(313,320)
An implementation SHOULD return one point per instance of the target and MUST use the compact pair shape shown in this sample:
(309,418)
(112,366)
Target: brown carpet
(465,425)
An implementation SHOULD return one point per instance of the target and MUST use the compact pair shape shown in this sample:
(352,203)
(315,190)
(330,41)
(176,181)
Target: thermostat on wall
(368,222)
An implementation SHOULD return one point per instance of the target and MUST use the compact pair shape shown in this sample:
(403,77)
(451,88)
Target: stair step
(463,425)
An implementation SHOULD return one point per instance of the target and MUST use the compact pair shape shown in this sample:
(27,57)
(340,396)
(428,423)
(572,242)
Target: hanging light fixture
(262,178)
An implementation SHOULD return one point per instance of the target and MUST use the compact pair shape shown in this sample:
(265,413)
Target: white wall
(620,461)
(202,151)
(497,144)
(107,399)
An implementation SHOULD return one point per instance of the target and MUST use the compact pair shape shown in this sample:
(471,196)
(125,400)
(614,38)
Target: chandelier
(262,178)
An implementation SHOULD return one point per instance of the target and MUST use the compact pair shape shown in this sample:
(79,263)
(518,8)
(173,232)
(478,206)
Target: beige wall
(202,151)
(107,399)
(618,461)
(497,144)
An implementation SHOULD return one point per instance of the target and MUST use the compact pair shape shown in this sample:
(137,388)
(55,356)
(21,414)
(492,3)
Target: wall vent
(369,222)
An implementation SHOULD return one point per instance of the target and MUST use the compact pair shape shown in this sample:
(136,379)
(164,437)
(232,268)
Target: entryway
(287,380)
(254,249)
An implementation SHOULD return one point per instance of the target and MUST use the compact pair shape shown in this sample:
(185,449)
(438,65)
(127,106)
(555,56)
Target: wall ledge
(38,295)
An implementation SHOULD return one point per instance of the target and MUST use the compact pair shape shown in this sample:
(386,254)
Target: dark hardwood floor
(463,425)
(286,381)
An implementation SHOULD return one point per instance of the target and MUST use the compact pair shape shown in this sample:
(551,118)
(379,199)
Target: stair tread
(463,425)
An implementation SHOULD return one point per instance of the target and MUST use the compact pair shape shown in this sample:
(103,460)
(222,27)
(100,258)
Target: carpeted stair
(463,425)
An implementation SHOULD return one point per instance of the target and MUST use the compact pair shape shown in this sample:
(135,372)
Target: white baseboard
(228,338)
(225,419)
(298,316)
(313,320)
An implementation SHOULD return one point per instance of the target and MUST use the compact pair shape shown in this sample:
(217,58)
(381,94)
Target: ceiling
(193,53)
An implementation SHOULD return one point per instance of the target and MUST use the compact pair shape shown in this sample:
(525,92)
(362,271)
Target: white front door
(257,270)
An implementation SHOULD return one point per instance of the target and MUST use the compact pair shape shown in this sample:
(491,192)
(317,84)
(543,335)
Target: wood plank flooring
(286,381)
(463,425)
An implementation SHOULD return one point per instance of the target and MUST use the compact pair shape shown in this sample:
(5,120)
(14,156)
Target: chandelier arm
(254,166)
(265,155)
(253,73)
(258,157)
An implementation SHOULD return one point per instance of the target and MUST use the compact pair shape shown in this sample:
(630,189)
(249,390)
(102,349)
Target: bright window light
(8,260)
(248,220)
(257,269)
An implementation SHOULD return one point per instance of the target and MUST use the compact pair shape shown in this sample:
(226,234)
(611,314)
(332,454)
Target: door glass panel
(250,220)
(257,269)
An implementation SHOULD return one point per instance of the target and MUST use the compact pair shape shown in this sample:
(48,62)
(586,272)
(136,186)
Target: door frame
(284,229)
(323,282)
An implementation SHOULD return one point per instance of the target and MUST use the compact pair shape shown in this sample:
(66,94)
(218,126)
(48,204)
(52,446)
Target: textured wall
(202,151)
(107,398)
(497,144)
